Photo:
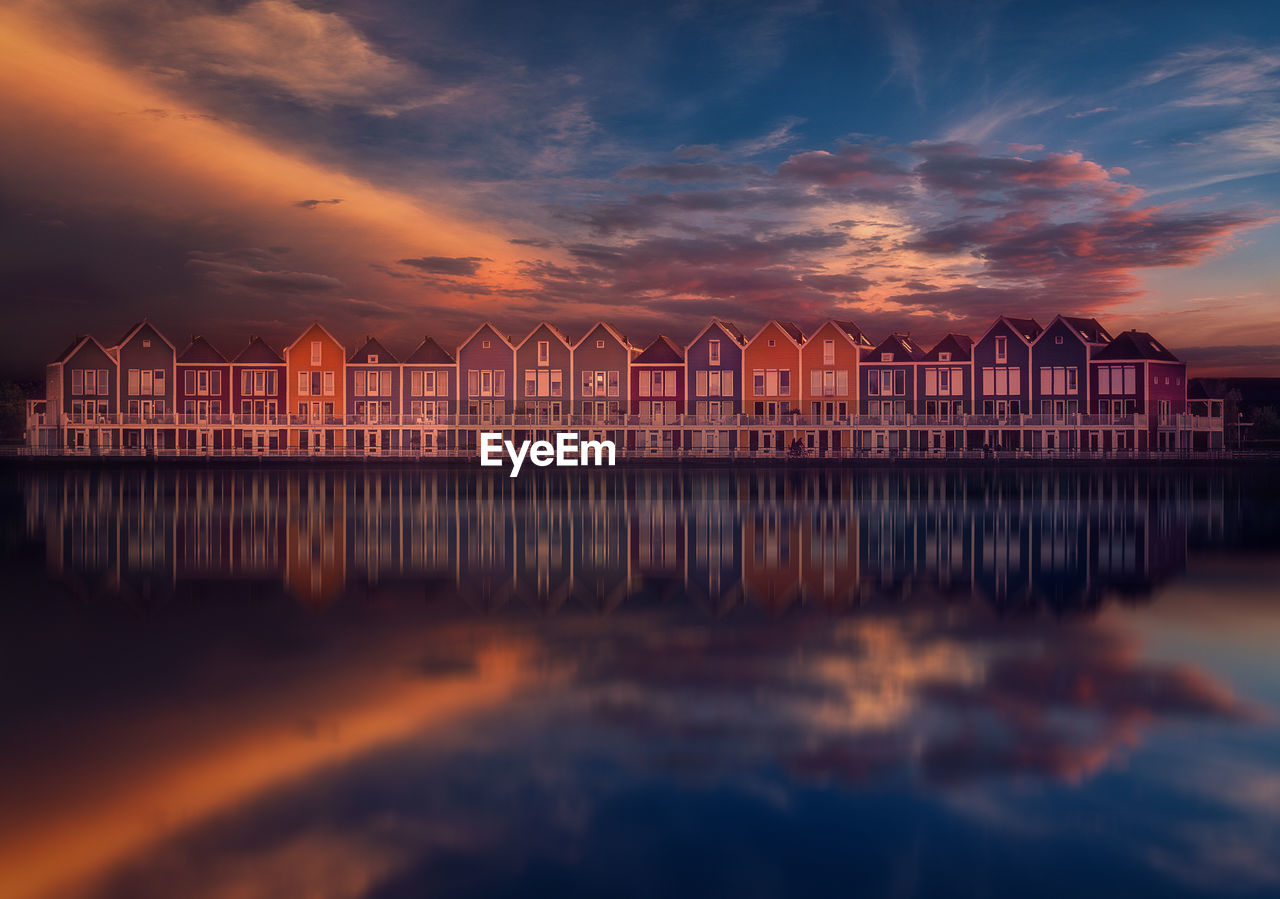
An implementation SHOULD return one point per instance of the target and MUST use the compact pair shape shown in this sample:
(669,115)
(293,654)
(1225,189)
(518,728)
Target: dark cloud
(312,204)
(681,172)
(461,266)
(531,242)
(850,165)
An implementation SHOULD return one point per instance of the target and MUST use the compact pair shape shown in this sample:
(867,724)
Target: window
(1058,340)
(190,382)
(484,344)
(873,383)
(530,382)
(157,382)
(713,352)
(77,382)
(700,383)
(588,383)
(613,383)
(415,383)
(828,352)
(773,343)
(473,383)
(102,382)
(1002,381)
(886,357)
(146,343)
(373,357)
(842,382)
(146,386)
(784,382)
(600,344)
(133,382)
(557,383)
(429,386)
(544,352)
(944,357)
(1002,349)
(328,383)
(646,381)
(486,383)
(316,355)
(899,382)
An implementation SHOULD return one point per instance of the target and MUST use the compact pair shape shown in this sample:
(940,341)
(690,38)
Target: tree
(13,413)
(1266,424)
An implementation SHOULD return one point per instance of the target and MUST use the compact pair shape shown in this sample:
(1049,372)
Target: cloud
(222,270)
(312,204)
(315,58)
(463,266)
(1097,110)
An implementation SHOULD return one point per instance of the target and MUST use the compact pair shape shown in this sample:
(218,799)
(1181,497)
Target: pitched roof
(429,353)
(792,329)
(200,350)
(1088,328)
(1135,345)
(492,327)
(325,330)
(960,346)
(135,328)
(854,332)
(661,352)
(71,348)
(550,327)
(904,349)
(1029,328)
(372,347)
(258,352)
(621,338)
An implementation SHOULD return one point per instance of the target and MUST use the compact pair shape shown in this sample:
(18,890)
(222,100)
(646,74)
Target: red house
(258,397)
(203,397)
(1136,375)
(657,393)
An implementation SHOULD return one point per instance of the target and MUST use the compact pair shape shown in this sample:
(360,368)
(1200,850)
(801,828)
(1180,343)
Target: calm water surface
(644,683)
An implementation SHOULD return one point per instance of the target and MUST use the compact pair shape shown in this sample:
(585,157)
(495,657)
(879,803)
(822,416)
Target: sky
(401,169)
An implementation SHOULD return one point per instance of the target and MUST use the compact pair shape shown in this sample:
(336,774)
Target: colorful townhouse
(944,392)
(601,377)
(429,379)
(373,385)
(1002,379)
(486,381)
(1019,387)
(80,396)
(1135,375)
(829,382)
(317,390)
(259,399)
(1060,358)
(713,385)
(888,391)
(544,382)
(145,358)
(657,396)
(771,370)
(203,385)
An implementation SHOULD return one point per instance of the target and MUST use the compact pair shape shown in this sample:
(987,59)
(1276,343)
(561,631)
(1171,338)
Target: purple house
(486,378)
(1002,374)
(544,369)
(713,371)
(203,396)
(887,390)
(944,379)
(146,359)
(429,377)
(373,391)
(1060,360)
(1136,374)
(80,392)
(601,364)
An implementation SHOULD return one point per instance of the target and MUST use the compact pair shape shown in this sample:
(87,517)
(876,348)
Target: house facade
(887,388)
(373,386)
(203,386)
(1136,375)
(1060,359)
(146,359)
(544,376)
(714,385)
(429,381)
(657,395)
(316,390)
(829,381)
(259,399)
(486,380)
(1002,378)
(771,392)
(944,391)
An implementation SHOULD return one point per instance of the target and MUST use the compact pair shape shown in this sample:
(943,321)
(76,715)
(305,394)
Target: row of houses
(1068,386)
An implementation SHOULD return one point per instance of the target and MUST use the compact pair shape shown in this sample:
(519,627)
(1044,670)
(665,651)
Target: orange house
(316,399)
(771,385)
(829,379)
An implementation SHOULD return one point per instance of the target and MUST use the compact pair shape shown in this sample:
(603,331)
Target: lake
(351,681)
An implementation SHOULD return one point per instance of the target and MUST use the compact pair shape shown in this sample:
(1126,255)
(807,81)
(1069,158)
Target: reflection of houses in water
(1020,539)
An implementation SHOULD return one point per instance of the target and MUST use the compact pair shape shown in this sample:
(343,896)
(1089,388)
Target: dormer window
(886,357)
(599,344)
(373,358)
(944,357)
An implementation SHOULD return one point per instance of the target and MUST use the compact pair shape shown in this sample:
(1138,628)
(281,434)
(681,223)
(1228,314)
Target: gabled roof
(728,327)
(1029,328)
(960,346)
(138,326)
(492,327)
(791,329)
(1135,345)
(429,353)
(621,338)
(904,349)
(71,349)
(372,347)
(200,351)
(661,352)
(550,327)
(304,334)
(258,352)
(1089,329)
(855,333)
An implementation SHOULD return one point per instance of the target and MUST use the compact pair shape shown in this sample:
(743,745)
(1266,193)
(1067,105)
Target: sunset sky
(401,169)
